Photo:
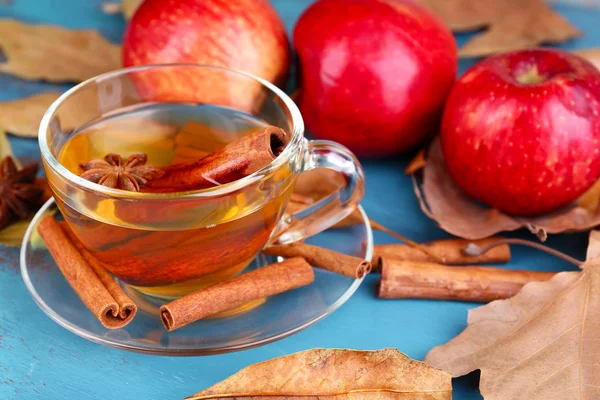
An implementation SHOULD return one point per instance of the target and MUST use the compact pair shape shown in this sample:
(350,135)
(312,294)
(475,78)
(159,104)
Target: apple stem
(531,76)
(473,249)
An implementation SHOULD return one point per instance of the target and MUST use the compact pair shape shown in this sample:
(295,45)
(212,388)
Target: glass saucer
(280,316)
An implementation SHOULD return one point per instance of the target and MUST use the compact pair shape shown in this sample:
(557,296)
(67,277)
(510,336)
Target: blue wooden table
(38,358)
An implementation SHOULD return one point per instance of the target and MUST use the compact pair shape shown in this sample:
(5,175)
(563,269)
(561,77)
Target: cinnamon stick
(126,304)
(235,161)
(320,257)
(450,250)
(423,280)
(267,281)
(188,154)
(94,286)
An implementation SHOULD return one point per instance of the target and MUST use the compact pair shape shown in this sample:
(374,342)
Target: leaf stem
(406,240)
(473,249)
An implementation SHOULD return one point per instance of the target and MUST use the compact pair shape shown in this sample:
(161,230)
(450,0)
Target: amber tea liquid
(169,247)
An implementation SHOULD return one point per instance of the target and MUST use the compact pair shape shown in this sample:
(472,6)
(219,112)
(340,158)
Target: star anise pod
(115,172)
(20,194)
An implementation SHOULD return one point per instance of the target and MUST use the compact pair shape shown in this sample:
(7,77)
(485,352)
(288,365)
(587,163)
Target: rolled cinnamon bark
(422,280)
(320,257)
(235,161)
(126,306)
(188,154)
(450,250)
(267,281)
(112,312)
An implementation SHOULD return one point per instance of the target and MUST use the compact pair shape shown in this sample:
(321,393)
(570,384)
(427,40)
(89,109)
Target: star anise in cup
(20,193)
(117,173)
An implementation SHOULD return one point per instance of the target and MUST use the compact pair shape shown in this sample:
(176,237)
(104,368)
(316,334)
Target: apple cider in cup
(169,247)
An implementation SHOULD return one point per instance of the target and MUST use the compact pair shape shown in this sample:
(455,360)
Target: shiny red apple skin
(525,149)
(244,35)
(374,73)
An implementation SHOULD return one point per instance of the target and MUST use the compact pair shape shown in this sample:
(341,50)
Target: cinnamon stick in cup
(234,161)
(423,280)
(450,250)
(94,286)
(320,257)
(263,282)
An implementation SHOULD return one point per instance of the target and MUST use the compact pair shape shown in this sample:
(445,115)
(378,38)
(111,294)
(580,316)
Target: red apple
(375,73)
(245,35)
(521,131)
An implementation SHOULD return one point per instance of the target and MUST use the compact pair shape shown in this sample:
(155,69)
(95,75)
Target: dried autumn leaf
(55,54)
(111,8)
(460,215)
(12,235)
(129,7)
(543,343)
(336,374)
(592,55)
(5,149)
(417,163)
(22,117)
(511,24)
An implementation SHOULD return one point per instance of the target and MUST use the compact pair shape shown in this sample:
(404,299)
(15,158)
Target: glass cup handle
(333,208)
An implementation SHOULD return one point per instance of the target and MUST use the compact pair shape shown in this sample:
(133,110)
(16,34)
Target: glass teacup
(168,244)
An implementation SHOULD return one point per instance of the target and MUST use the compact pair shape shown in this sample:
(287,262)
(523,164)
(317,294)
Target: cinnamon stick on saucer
(450,250)
(92,283)
(266,281)
(320,257)
(126,305)
(423,280)
(234,161)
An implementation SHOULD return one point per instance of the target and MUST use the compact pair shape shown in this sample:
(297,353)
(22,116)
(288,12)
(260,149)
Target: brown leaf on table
(22,117)
(543,343)
(127,7)
(417,163)
(55,54)
(510,24)
(13,234)
(111,8)
(592,55)
(335,374)
(5,149)
(460,215)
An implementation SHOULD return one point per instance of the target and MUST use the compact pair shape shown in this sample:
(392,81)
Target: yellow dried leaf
(543,343)
(335,374)
(55,54)
(22,117)
(511,24)
(12,235)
